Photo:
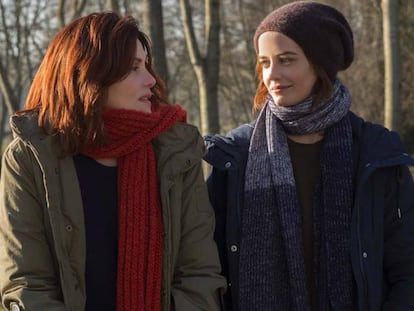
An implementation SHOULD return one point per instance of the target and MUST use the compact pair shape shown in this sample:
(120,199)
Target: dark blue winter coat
(382,228)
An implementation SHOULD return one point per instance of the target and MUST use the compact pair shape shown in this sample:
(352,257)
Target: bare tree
(365,76)
(112,5)
(76,9)
(12,36)
(392,114)
(24,25)
(20,42)
(205,65)
(152,21)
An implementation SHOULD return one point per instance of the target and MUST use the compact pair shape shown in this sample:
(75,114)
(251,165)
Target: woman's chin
(144,107)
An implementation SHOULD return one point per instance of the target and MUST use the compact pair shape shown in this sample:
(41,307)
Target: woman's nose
(150,82)
(275,71)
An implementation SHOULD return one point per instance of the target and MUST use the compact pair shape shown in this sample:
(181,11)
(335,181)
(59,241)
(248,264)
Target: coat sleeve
(399,244)
(28,276)
(197,283)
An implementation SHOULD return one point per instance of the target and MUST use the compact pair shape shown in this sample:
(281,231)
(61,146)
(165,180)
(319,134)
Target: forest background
(204,50)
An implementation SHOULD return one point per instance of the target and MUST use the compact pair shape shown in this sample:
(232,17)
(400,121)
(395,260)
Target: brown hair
(83,60)
(322,89)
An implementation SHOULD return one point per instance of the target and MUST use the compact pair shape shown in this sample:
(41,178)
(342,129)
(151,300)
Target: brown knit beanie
(320,30)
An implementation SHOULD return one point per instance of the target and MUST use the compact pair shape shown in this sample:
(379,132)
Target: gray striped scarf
(272,271)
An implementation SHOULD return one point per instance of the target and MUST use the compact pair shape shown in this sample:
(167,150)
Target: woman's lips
(280,88)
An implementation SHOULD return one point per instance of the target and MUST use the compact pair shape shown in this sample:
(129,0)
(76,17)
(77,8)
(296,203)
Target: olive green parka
(42,234)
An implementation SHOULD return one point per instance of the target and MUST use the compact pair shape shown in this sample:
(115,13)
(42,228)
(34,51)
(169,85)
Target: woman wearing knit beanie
(103,204)
(314,206)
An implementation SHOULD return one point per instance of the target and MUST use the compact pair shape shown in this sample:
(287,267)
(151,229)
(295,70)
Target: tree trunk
(76,11)
(212,66)
(392,111)
(207,66)
(152,22)
(10,102)
(113,5)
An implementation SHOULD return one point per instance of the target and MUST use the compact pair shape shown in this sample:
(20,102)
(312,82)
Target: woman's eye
(264,63)
(286,60)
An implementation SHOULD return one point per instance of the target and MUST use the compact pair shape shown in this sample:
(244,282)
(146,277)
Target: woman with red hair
(103,201)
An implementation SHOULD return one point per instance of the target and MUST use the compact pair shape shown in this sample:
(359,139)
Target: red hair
(322,89)
(83,60)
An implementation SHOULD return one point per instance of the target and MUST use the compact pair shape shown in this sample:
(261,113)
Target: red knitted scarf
(139,213)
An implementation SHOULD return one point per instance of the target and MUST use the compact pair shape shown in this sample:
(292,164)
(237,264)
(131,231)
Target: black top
(98,185)
(306,169)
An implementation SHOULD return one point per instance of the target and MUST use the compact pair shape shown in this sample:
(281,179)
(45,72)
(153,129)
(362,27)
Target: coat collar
(181,145)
